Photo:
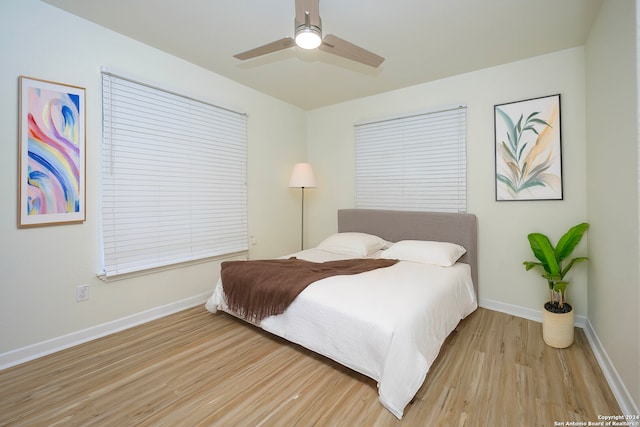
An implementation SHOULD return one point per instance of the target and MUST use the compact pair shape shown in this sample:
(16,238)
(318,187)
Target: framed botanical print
(528,149)
(51,168)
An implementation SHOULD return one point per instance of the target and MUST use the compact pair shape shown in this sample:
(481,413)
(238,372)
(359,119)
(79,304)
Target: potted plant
(558,315)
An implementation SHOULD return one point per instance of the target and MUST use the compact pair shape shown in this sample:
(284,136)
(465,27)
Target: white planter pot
(557,328)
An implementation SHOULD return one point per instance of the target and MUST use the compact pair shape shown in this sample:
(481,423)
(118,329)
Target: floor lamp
(302,177)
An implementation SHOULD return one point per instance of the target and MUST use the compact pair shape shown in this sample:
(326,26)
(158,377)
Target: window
(173,178)
(416,162)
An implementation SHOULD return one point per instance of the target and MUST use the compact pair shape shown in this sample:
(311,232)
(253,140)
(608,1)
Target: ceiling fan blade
(311,6)
(267,48)
(340,47)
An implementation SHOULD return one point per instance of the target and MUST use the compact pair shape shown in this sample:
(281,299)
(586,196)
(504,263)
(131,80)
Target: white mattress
(387,324)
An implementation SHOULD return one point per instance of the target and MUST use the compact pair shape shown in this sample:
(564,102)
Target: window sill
(242,255)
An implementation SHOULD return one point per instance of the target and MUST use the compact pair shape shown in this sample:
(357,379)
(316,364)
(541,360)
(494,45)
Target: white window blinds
(415,163)
(173,178)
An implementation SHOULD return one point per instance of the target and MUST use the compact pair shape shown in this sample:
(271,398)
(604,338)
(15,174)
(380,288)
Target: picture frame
(51,160)
(528,149)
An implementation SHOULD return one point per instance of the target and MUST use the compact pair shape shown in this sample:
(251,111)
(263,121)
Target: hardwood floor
(199,369)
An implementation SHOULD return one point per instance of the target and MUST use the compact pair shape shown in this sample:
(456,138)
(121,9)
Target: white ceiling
(422,40)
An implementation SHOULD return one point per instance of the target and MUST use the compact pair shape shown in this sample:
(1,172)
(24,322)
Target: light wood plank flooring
(199,369)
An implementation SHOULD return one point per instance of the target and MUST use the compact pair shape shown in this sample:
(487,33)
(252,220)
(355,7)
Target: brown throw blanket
(261,288)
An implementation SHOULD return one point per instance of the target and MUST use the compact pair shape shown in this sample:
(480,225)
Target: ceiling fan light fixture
(308,37)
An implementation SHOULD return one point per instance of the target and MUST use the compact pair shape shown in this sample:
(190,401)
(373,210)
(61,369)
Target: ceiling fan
(308,35)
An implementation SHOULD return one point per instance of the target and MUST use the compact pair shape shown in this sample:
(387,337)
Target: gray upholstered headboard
(393,226)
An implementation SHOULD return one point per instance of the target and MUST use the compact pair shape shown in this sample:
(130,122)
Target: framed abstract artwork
(528,150)
(51,181)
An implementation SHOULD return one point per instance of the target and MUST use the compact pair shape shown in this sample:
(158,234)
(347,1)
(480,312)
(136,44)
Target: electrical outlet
(82,293)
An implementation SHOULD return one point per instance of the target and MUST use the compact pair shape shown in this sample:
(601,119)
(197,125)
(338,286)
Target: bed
(390,323)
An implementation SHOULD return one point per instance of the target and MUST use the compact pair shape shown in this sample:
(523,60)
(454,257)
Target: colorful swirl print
(53,152)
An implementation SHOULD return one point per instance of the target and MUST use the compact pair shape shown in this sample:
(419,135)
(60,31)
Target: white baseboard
(524,312)
(515,310)
(25,354)
(619,390)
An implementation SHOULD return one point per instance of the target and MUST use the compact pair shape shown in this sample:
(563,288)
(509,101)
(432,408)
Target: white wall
(503,226)
(40,267)
(612,183)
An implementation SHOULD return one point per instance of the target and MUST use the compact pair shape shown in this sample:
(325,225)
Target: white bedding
(387,324)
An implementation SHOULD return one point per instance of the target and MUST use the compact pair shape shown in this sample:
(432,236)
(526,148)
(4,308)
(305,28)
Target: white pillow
(356,244)
(426,252)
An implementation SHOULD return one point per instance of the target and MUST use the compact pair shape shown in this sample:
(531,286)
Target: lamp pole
(302,223)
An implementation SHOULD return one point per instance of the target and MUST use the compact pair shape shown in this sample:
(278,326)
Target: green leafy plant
(551,260)
(524,171)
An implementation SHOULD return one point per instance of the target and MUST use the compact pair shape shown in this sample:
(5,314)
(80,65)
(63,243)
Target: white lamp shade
(302,176)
